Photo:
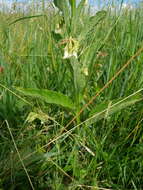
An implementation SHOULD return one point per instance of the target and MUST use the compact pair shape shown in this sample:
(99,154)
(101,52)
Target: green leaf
(77,12)
(100,15)
(48,96)
(59,4)
(73,6)
(108,108)
(63,6)
(72,3)
(24,18)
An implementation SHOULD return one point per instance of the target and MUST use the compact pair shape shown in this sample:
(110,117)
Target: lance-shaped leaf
(48,96)
(108,108)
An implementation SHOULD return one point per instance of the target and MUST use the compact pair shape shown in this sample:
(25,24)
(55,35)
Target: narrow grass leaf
(100,111)
(24,18)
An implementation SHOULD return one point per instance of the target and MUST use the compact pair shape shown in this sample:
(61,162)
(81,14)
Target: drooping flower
(85,71)
(58,29)
(71,48)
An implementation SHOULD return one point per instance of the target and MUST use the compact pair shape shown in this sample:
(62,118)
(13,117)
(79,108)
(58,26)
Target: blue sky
(92,1)
(125,1)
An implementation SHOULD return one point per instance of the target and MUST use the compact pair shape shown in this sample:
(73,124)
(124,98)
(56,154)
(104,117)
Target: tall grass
(52,64)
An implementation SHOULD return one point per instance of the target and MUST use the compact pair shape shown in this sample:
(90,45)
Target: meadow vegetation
(71,109)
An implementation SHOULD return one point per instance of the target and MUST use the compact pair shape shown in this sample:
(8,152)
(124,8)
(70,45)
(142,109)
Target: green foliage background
(53,63)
